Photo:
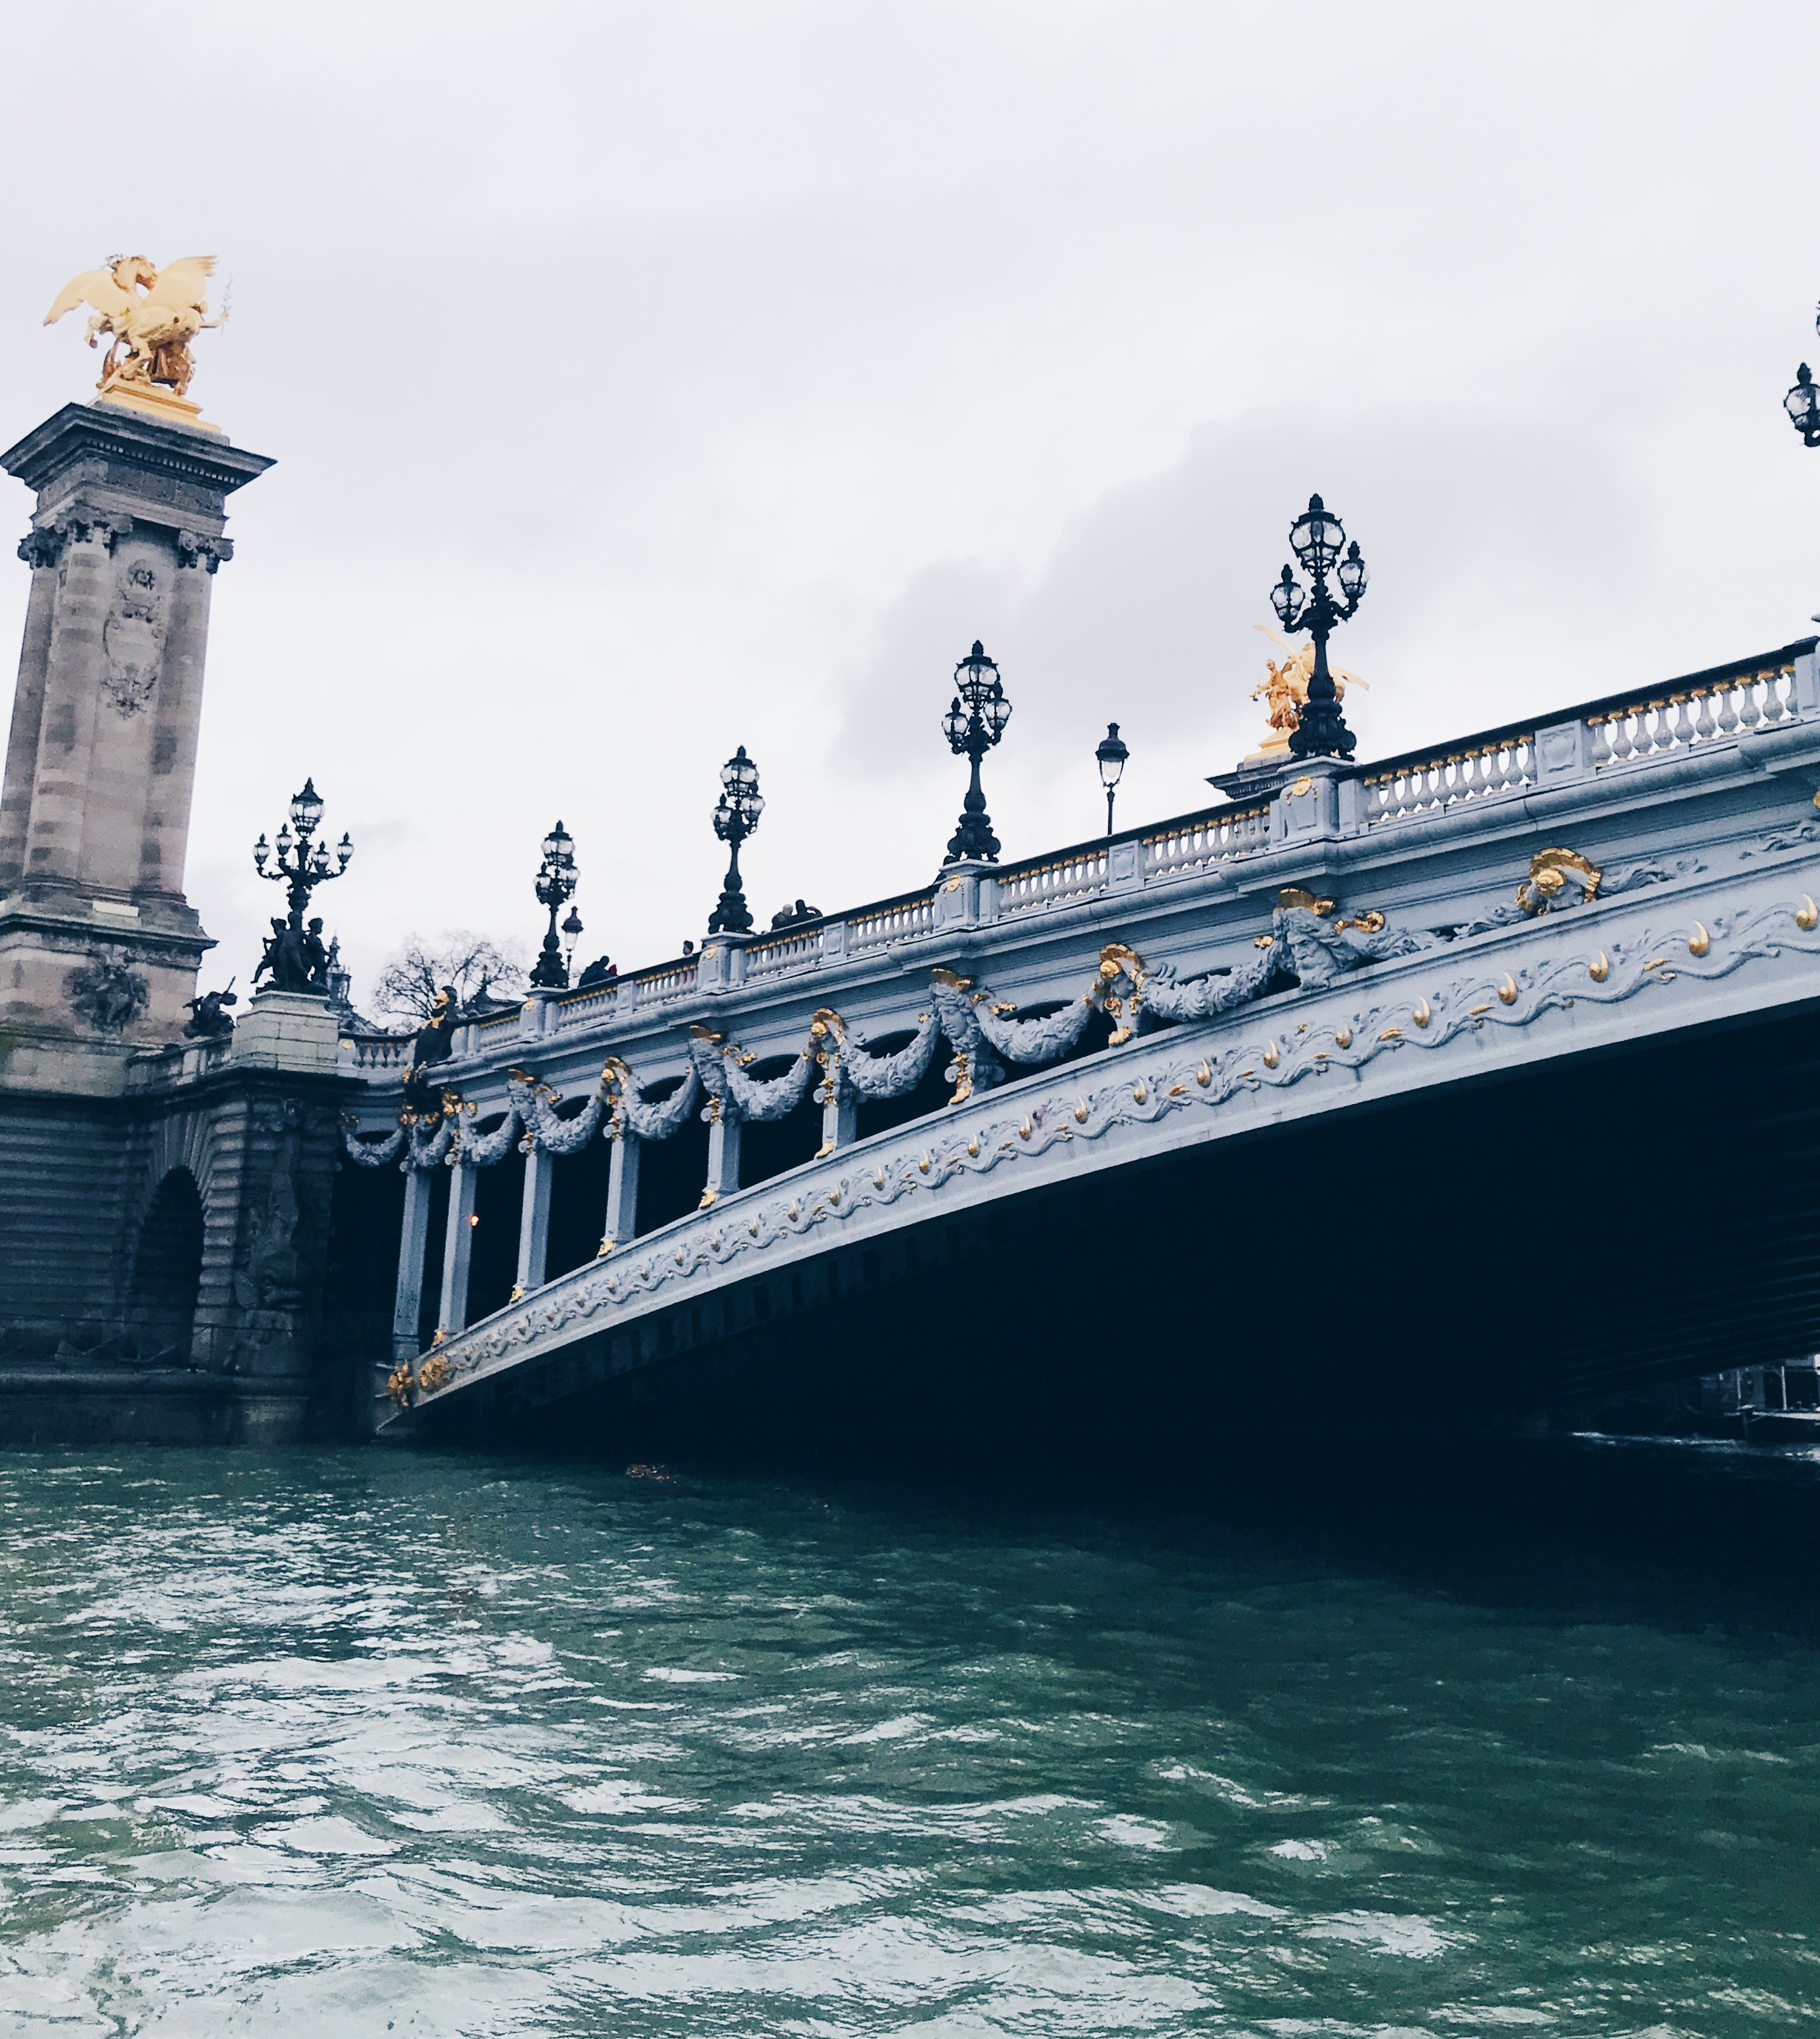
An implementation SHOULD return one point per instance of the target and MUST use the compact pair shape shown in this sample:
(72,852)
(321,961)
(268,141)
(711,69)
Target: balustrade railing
(670,980)
(583,1008)
(1422,784)
(1197,840)
(1072,876)
(781,952)
(893,920)
(1732,701)
(374,1051)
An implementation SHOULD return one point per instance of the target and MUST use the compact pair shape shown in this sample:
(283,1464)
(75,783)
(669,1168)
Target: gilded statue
(149,316)
(1286,688)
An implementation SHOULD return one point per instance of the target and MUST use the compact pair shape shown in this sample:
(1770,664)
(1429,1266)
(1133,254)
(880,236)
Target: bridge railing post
(458,1248)
(622,1220)
(534,1222)
(1806,691)
(1563,752)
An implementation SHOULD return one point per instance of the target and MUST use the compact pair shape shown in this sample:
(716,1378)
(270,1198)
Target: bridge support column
(413,1243)
(840,1122)
(623,1193)
(457,1248)
(534,1223)
(722,1156)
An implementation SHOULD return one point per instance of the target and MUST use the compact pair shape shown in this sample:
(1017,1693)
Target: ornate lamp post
(1316,536)
(302,862)
(556,882)
(975,721)
(1112,755)
(736,815)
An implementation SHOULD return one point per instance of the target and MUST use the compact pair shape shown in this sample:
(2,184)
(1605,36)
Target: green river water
(352,1742)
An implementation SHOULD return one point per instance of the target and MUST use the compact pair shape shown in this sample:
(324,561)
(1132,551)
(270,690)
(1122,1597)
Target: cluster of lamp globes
(301,862)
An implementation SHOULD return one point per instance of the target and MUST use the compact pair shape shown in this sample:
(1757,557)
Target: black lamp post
(1802,405)
(556,881)
(1316,536)
(975,721)
(302,862)
(1112,755)
(736,815)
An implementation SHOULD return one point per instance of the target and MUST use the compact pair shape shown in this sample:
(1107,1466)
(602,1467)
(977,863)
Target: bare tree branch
(485,974)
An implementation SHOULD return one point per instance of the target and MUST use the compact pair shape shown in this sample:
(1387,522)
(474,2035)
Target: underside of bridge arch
(1504,1246)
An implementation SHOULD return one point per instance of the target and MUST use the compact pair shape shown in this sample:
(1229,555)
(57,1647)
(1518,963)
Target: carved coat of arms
(134,635)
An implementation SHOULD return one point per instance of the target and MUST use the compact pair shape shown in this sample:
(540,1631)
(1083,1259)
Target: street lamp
(736,815)
(556,881)
(1802,405)
(571,934)
(302,863)
(972,730)
(1316,537)
(1112,755)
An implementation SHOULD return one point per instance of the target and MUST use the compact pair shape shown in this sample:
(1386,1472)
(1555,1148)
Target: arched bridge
(1485,1075)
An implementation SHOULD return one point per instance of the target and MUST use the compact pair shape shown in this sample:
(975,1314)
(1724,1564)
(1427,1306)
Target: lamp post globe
(1111,756)
(975,722)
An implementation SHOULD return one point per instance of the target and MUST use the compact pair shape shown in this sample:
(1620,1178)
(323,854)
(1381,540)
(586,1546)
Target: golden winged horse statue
(152,313)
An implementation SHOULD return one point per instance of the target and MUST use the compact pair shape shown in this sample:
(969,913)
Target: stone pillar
(534,1222)
(98,946)
(413,1244)
(722,1153)
(622,1223)
(839,1119)
(457,1248)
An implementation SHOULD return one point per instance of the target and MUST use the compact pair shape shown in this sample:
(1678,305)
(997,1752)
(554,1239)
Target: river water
(353,1742)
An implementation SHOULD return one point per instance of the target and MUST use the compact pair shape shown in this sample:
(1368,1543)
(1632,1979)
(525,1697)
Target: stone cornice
(127,440)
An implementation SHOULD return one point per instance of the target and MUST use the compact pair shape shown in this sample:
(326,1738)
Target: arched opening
(168,1268)
(672,1173)
(768,1147)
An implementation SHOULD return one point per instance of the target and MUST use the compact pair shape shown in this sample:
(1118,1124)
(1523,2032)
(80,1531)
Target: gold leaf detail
(1806,914)
(1699,942)
(1270,1056)
(1422,1014)
(1507,990)
(1599,969)
(1204,1075)
(1342,1037)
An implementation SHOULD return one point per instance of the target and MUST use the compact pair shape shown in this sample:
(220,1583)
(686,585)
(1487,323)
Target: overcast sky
(644,381)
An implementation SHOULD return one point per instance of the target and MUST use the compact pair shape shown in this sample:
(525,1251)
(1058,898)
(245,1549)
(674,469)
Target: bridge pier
(413,1245)
(457,1249)
(534,1222)
(722,1154)
(840,1122)
(622,1222)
